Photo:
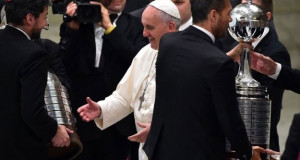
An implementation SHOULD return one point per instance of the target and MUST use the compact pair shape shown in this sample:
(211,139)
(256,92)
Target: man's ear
(172,26)
(269,15)
(29,19)
(213,15)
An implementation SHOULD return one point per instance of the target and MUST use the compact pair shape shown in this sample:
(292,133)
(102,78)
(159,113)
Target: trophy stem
(244,77)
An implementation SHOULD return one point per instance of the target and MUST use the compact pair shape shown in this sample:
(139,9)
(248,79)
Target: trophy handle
(244,77)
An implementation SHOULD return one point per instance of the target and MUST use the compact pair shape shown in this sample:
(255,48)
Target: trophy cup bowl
(249,24)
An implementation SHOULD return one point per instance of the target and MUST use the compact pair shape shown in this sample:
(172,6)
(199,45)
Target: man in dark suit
(27,128)
(96,57)
(196,104)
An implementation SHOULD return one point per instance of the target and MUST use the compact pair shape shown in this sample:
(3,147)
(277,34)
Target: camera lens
(88,13)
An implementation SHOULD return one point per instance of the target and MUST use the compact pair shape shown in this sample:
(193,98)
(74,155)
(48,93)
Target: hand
(142,135)
(90,111)
(273,154)
(105,23)
(235,53)
(263,64)
(256,152)
(62,138)
(71,10)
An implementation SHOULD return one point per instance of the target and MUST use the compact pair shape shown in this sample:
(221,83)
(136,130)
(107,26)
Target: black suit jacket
(138,13)
(271,47)
(288,79)
(119,48)
(26,126)
(292,146)
(56,65)
(196,104)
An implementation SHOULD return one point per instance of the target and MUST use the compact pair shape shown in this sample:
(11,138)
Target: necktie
(113,17)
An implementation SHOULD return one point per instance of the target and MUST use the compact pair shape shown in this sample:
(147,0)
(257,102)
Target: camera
(88,13)
(85,13)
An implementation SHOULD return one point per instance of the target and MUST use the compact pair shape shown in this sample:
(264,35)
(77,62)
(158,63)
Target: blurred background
(286,16)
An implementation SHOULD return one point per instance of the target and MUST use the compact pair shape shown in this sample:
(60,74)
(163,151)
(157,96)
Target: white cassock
(126,98)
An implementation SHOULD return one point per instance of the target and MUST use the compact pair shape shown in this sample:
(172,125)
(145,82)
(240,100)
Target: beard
(221,30)
(35,35)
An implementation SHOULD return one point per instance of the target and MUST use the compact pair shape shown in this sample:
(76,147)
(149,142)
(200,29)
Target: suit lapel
(264,43)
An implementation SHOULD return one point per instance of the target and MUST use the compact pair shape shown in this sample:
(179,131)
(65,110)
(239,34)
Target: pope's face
(154,26)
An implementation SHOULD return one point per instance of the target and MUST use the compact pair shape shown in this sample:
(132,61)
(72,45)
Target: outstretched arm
(263,64)
(89,111)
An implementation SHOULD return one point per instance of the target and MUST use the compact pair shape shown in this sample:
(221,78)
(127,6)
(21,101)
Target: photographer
(96,56)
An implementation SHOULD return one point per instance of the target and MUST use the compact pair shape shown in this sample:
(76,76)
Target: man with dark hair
(196,105)
(27,127)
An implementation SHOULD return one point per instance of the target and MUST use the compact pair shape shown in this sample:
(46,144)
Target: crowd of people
(150,80)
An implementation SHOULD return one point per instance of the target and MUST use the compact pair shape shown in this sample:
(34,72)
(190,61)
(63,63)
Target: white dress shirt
(99,32)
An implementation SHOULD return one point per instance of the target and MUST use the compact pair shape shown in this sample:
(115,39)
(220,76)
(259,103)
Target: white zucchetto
(166,6)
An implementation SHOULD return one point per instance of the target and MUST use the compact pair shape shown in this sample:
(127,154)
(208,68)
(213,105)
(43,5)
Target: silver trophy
(249,24)
(58,106)
(2,18)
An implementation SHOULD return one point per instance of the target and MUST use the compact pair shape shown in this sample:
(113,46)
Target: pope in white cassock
(136,91)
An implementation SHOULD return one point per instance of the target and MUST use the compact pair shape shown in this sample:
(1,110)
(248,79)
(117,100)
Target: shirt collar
(21,31)
(186,24)
(206,31)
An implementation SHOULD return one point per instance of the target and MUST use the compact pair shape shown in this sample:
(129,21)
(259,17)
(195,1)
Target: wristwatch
(67,18)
